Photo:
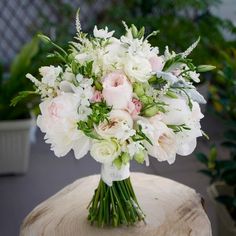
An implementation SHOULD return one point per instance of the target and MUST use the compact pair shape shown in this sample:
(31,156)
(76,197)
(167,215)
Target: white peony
(137,68)
(163,139)
(58,120)
(102,33)
(178,113)
(119,125)
(105,151)
(50,74)
(187,140)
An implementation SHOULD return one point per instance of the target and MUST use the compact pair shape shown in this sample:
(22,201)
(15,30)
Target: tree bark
(171,208)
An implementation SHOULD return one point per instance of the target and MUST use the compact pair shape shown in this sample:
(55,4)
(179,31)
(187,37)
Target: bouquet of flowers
(120,99)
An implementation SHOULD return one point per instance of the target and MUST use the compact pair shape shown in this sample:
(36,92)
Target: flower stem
(114,206)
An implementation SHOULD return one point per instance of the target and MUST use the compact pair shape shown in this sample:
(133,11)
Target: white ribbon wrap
(110,173)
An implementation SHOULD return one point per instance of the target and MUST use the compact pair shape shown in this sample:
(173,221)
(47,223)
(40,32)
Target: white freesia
(50,74)
(102,33)
(137,68)
(58,120)
(119,125)
(105,151)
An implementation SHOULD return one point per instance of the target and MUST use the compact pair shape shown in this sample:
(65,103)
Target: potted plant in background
(222,174)
(16,122)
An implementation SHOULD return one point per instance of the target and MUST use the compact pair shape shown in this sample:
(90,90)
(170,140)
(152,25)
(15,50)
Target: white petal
(187,148)
(82,147)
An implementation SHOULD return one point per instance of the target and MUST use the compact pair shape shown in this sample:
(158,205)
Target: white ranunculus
(102,33)
(58,120)
(137,68)
(50,74)
(105,151)
(163,140)
(120,126)
(179,113)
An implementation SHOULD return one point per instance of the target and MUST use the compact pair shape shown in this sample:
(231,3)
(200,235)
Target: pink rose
(97,96)
(134,107)
(117,90)
(157,63)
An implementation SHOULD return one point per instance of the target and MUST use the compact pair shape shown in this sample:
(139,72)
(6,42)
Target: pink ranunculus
(134,107)
(117,90)
(97,96)
(157,63)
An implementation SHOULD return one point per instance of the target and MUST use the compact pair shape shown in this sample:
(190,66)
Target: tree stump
(171,208)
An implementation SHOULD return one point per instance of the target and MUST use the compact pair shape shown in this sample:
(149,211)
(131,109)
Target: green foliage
(99,114)
(139,136)
(222,170)
(223,88)
(180,22)
(179,128)
(12,83)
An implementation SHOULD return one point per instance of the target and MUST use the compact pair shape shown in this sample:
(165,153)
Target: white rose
(163,140)
(119,126)
(137,68)
(50,74)
(179,113)
(58,120)
(105,151)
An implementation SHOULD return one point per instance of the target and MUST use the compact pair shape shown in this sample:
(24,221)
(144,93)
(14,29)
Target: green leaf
(228,201)
(23,60)
(229,144)
(21,96)
(202,158)
(229,176)
(230,134)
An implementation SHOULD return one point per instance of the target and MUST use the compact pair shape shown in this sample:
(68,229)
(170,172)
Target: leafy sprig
(140,135)
(21,95)
(179,128)
(99,113)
